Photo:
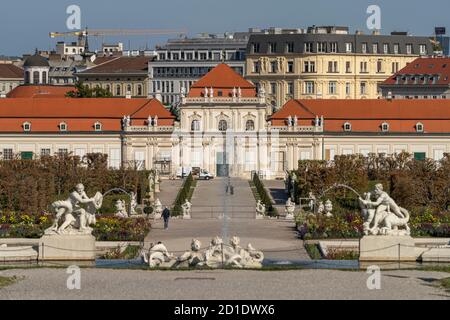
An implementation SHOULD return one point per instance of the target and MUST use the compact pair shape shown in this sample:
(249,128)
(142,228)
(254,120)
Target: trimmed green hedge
(185,192)
(264,196)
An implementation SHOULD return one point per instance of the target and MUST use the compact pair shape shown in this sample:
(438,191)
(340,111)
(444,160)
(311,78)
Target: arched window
(223,125)
(108,88)
(36,77)
(118,90)
(44,77)
(250,125)
(129,89)
(139,90)
(195,125)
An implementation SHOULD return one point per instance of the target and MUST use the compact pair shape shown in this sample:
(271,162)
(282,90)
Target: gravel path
(220,284)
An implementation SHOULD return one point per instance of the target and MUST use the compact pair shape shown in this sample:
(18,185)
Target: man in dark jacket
(166,216)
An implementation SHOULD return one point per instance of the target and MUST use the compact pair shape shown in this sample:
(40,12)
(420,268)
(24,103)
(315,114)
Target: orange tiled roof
(420,67)
(45,115)
(223,79)
(368,115)
(32,91)
(10,71)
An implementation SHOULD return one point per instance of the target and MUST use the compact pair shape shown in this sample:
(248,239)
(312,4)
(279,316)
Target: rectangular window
(63,152)
(333,47)
(363,88)
(309,47)
(386,48)
(290,47)
(348,88)
(309,67)
(423,49)
(438,154)
(7,154)
(272,47)
(364,47)
(321,47)
(290,88)
(363,67)
(255,47)
(395,67)
(380,66)
(81,153)
(45,152)
(114,158)
(349,47)
(290,67)
(332,66)
(348,67)
(332,87)
(375,48)
(409,49)
(396,48)
(309,87)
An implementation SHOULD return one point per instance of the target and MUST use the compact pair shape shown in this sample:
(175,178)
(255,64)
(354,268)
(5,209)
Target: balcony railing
(243,100)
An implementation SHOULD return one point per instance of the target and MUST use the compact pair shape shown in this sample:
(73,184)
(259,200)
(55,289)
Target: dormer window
(27,126)
(98,126)
(347,127)
(385,127)
(63,126)
(419,127)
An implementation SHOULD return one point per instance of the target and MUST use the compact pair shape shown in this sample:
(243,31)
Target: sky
(25,24)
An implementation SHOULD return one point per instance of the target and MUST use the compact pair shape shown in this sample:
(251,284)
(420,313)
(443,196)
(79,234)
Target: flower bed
(348,225)
(107,228)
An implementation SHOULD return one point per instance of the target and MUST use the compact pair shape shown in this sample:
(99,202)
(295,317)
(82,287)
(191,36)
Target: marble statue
(155,121)
(133,204)
(76,214)
(206,92)
(186,206)
(183,92)
(211,92)
(289,121)
(262,92)
(312,201)
(234,92)
(121,209)
(158,256)
(216,255)
(328,208)
(239,92)
(290,209)
(383,216)
(320,208)
(295,120)
(158,209)
(149,121)
(260,210)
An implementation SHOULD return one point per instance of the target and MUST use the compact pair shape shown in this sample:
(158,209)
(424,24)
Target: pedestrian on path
(166,216)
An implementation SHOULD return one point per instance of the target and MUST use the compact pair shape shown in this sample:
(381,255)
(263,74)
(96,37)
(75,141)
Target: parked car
(205,175)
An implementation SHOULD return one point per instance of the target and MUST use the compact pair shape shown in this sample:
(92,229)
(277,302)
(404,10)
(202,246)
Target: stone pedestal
(187,217)
(387,248)
(67,247)
(289,216)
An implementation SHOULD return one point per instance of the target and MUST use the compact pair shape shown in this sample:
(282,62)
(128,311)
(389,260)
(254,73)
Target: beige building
(11,77)
(122,76)
(328,63)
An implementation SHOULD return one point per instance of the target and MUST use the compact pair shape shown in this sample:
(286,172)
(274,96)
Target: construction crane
(84,34)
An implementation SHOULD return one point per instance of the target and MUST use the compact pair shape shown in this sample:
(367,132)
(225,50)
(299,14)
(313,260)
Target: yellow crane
(84,34)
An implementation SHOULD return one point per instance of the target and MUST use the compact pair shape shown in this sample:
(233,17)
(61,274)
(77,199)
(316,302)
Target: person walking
(166,216)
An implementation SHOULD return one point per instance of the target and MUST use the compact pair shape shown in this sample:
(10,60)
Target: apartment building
(328,62)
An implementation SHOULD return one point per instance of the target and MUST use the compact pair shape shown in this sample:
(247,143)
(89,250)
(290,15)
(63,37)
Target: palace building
(224,126)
